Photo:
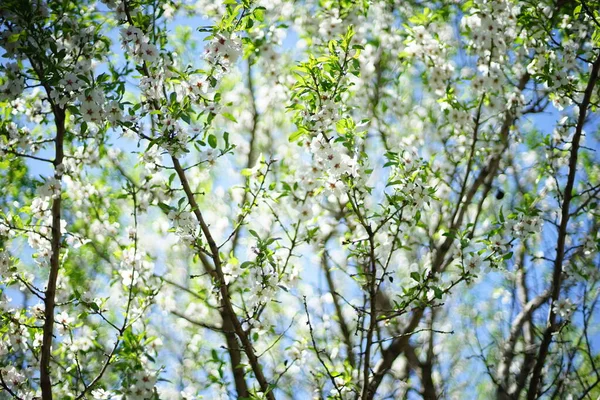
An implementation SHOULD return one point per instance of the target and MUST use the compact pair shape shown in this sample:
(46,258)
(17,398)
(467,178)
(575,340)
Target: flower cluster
(410,179)
(175,138)
(525,225)
(434,53)
(135,269)
(332,163)
(324,119)
(492,26)
(197,87)
(92,105)
(12,376)
(142,387)
(38,238)
(137,44)
(151,86)
(223,51)
(185,225)
(63,322)
(14,83)
(101,394)
(231,271)
(18,337)
(17,138)
(332,25)
(556,66)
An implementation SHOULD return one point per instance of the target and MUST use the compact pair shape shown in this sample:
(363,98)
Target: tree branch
(49,298)
(535,382)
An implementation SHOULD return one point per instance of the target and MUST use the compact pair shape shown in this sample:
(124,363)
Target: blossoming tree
(280,199)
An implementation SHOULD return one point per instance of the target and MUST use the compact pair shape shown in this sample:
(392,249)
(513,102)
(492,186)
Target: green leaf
(296,135)
(14,37)
(415,275)
(259,14)
(212,141)
(229,117)
(226,139)
(165,208)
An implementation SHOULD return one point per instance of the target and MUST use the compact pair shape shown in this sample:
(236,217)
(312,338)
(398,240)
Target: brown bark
(49,299)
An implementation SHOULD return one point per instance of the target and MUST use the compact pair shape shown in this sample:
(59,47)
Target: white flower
(231,271)
(563,308)
(200,86)
(63,322)
(148,52)
(183,222)
(131,33)
(39,206)
(14,85)
(499,244)
(18,338)
(223,51)
(210,156)
(335,186)
(331,27)
(75,241)
(92,105)
(305,212)
(350,165)
(51,188)
(38,310)
(113,112)
(475,261)
(146,380)
(527,226)
(12,376)
(143,387)
(38,338)
(70,82)
(213,108)
(189,393)
(101,394)
(318,145)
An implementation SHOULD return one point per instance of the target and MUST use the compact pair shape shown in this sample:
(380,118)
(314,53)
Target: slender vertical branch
(429,391)
(228,310)
(463,187)
(230,320)
(251,154)
(338,310)
(396,348)
(372,313)
(50,295)
(551,326)
(318,352)
(235,355)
